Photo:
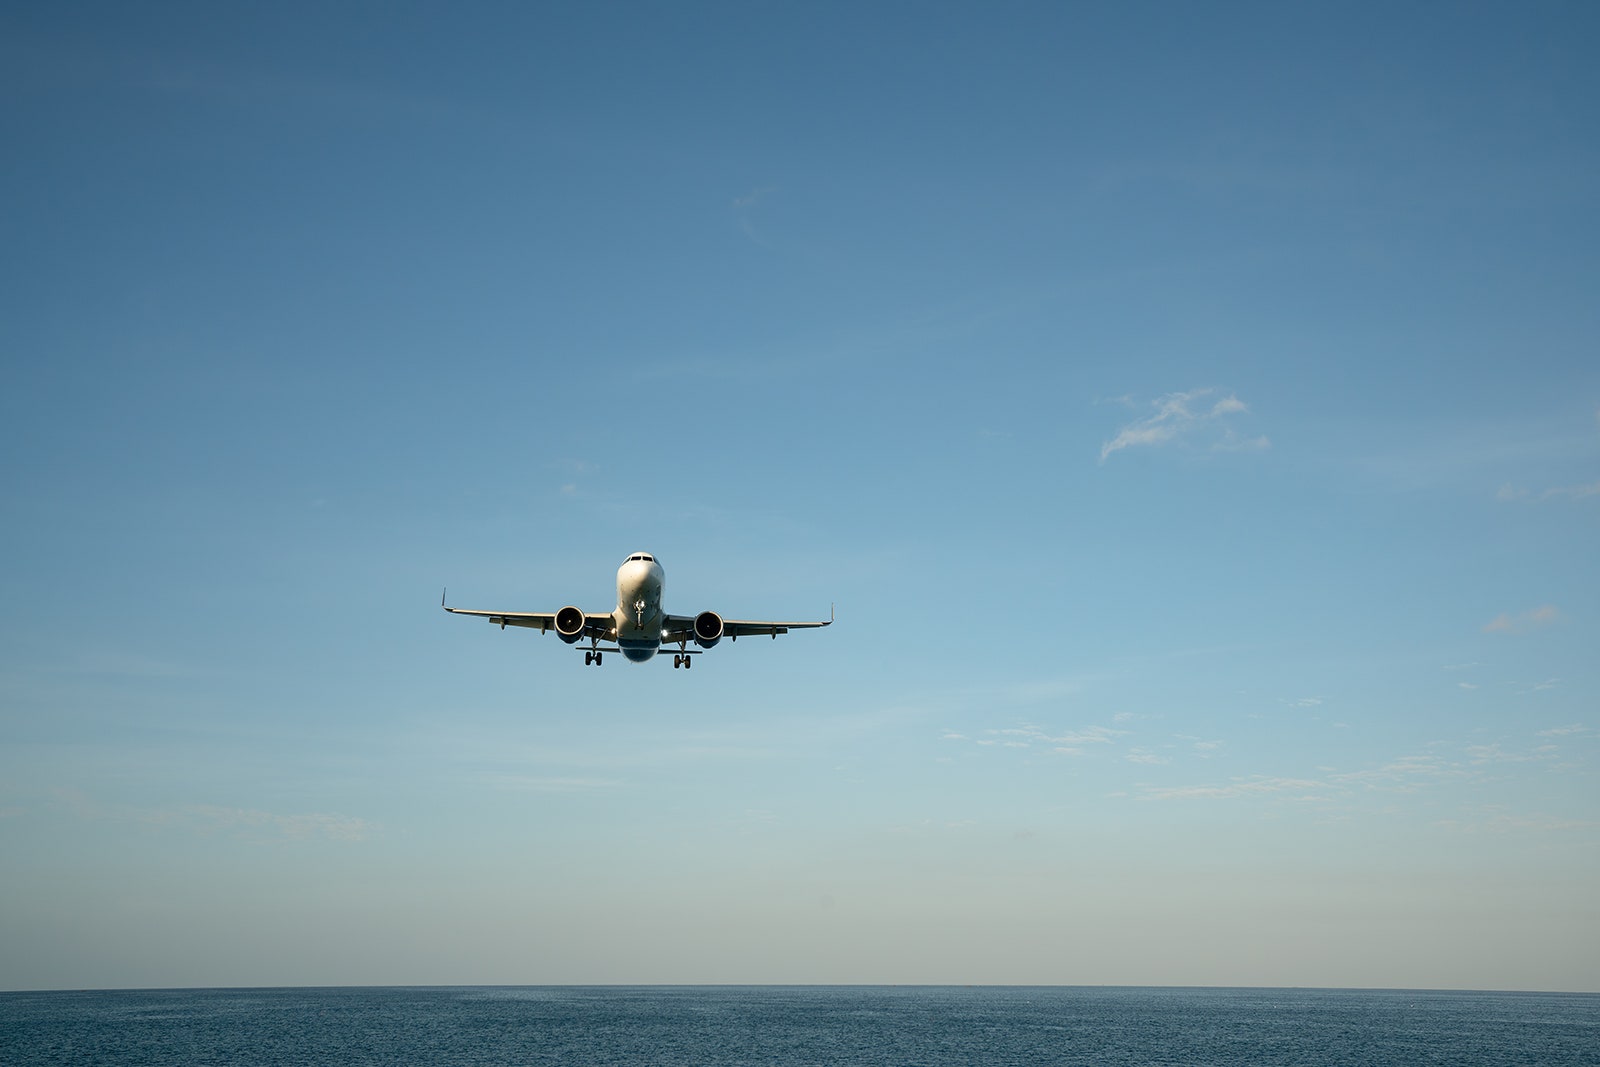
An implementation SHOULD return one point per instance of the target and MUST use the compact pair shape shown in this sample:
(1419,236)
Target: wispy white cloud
(1493,752)
(1407,774)
(1505,623)
(1070,742)
(1188,416)
(1093,735)
(1201,747)
(1565,731)
(1569,449)
(1031,737)
(1233,441)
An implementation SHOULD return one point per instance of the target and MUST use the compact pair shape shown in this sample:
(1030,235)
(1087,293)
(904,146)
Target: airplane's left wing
(538,620)
(594,624)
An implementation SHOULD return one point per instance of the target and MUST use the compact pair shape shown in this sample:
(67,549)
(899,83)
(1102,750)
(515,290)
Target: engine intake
(569,624)
(707,629)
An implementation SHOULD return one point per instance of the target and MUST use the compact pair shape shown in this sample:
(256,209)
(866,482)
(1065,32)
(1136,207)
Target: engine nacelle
(707,629)
(569,624)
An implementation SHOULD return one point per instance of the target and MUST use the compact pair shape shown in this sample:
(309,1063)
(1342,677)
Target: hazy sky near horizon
(1193,411)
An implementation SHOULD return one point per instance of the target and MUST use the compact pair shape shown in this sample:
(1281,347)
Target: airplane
(637,625)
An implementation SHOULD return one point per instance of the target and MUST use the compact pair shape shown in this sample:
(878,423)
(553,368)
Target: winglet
(442,591)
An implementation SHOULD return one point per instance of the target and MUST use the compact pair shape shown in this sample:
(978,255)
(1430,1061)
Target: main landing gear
(591,657)
(685,661)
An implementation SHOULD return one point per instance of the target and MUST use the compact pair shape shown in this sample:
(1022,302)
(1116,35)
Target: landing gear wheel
(588,658)
(597,656)
(688,661)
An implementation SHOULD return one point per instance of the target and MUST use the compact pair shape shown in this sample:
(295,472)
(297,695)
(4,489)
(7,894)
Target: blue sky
(1193,412)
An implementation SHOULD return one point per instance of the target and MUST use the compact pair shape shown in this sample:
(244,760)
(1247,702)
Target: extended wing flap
(537,620)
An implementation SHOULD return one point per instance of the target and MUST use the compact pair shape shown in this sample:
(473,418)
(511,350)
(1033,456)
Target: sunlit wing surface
(536,620)
(679,626)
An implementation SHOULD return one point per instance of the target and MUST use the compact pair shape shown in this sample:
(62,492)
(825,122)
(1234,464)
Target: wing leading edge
(681,627)
(595,624)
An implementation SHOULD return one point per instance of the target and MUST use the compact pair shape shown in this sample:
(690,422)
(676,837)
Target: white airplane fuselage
(638,612)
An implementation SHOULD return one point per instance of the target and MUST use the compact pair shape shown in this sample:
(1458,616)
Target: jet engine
(569,624)
(707,629)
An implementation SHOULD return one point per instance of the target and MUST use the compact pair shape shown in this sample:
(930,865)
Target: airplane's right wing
(753,627)
(683,627)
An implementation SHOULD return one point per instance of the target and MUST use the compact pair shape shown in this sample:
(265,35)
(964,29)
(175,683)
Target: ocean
(786,1025)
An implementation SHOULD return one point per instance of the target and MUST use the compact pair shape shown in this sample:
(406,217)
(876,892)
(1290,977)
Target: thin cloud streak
(1027,736)
(1256,785)
(1523,621)
(1182,416)
(1403,775)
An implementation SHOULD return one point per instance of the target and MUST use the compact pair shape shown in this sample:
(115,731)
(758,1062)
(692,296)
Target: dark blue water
(798,1025)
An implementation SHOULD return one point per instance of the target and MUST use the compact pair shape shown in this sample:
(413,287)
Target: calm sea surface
(798,1025)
